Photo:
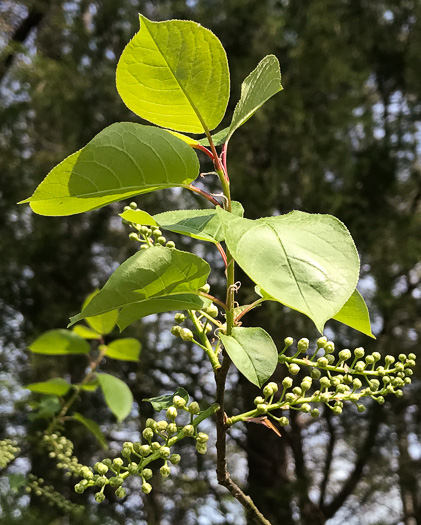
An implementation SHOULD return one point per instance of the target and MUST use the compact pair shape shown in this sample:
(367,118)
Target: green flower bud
(165,471)
(162,425)
(262,408)
(179,402)
(359,352)
(407,380)
(172,413)
(322,361)
(408,372)
(341,389)
(315,373)
(201,448)
(186,334)
(290,398)
(297,391)
(288,341)
(369,360)
(303,345)
(283,421)
(329,347)
(305,407)
(258,400)
(170,244)
(330,359)
(145,230)
(157,232)
(294,369)
(380,400)
(120,492)
(386,380)
(205,288)
(347,380)
(194,408)
(175,459)
(100,468)
(145,450)
(356,383)
(398,393)
(376,356)
(133,205)
(172,428)
(99,497)
(155,445)
(412,357)
(315,413)
(147,473)
(321,342)
(134,236)
(381,371)
(101,481)
(202,437)
(359,366)
(176,330)
(144,247)
(165,452)
(411,362)
(305,385)
(188,430)
(324,398)
(335,381)
(161,240)
(212,310)
(389,360)
(148,433)
(282,359)
(337,410)
(268,391)
(132,468)
(287,382)
(79,488)
(117,463)
(344,355)
(360,408)
(87,473)
(273,386)
(180,318)
(324,382)
(116,481)
(146,488)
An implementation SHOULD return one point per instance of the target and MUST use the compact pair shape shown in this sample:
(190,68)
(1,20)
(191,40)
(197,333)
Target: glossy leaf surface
(104,323)
(253,352)
(175,74)
(124,160)
(127,349)
(305,261)
(59,342)
(117,395)
(354,313)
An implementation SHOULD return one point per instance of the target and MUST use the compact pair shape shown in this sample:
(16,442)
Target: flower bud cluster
(158,439)
(202,321)
(61,450)
(8,451)
(37,487)
(148,236)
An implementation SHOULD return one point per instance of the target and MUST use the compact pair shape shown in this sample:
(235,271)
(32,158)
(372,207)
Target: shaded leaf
(59,342)
(354,313)
(104,323)
(127,349)
(16,481)
(253,352)
(93,428)
(117,395)
(175,74)
(57,386)
(163,402)
(85,332)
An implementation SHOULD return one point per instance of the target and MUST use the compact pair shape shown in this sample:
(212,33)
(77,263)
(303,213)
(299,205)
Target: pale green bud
(376,356)
(287,382)
(147,473)
(117,463)
(345,354)
(194,408)
(145,450)
(147,433)
(172,428)
(172,413)
(165,471)
(315,413)
(133,206)
(322,361)
(288,341)
(273,386)
(329,347)
(175,459)
(165,452)
(189,430)
(170,244)
(268,391)
(283,421)
(186,334)
(179,402)
(412,357)
(389,360)
(146,488)
(297,391)
(120,492)
(294,369)
(359,366)
(99,497)
(162,426)
(201,448)
(155,445)
(305,407)
(258,400)
(176,330)
(202,437)
(321,342)
(132,468)
(101,468)
(180,318)
(303,345)
(359,352)
(212,310)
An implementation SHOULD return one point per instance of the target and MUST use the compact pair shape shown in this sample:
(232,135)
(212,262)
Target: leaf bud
(201,447)
(179,318)
(297,391)
(287,382)
(116,481)
(165,452)
(212,310)
(329,347)
(359,366)
(315,373)
(146,488)
(186,334)
(303,345)
(412,356)
(165,471)
(147,433)
(258,400)
(194,408)
(321,342)
(359,352)
(205,288)
(315,413)
(268,391)
(179,402)
(99,497)
(283,421)
(175,459)
(155,445)
(290,398)
(147,473)
(171,413)
(172,428)
(322,361)
(288,341)
(294,369)
(170,244)
(361,408)
(376,356)
(120,492)
(101,468)
(188,430)
(176,330)
(344,355)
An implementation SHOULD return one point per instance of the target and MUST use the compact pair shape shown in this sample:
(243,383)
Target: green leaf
(306,261)
(89,387)
(117,395)
(47,407)
(127,349)
(257,88)
(204,225)
(253,352)
(163,402)
(124,160)
(16,481)
(57,386)
(175,74)
(59,342)
(354,313)
(151,281)
(104,323)
(86,332)
(93,428)
(218,139)
(138,217)
(185,138)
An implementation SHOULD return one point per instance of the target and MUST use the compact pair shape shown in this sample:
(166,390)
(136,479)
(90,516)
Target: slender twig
(214,300)
(203,193)
(222,252)
(202,148)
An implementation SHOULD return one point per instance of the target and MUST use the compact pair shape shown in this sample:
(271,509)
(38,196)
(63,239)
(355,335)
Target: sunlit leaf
(59,342)
(354,313)
(163,402)
(117,395)
(57,386)
(127,349)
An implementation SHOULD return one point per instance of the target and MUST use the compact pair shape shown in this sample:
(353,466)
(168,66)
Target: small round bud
(324,382)
(212,310)
(176,330)
(273,386)
(268,391)
(87,473)
(172,413)
(359,352)
(117,463)
(146,488)
(262,408)
(101,481)
(147,433)
(170,244)
(376,356)
(126,208)
(175,459)
(161,240)
(315,413)
(144,247)
(408,372)
(380,400)
(99,497)
(147,473)
(337,410)
(305,407)
(258,400)
(287,382)
(389,360)
(134,236)
(186,334)
(321,342)
(344,355)
(369,360)
(361,408)
(189,430)
(145,230)
(132,468)
(341,389)
(283,421)
(399,393)
(165,471)
(172,428)
(201,448)
(315,373)
(305,385)
(297,391)
(162,426)
(101,468)
(322,361)
(205,288)
(165,452)
(290,398)
(359,366)
(329,347)
(194,408)
(294,369)
(79,489)
(157,232)
(282,359)
(303,345)
(202,437)
(155,445)
(374,385)
(120,492)
(145,450)
(179,402)
(133,205)
(116,481)
(407,380)
(381,371)
(412,356)
(356,383)
(288,341)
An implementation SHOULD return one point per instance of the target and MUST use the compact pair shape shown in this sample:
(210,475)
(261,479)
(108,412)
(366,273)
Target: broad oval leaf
(175,74)
(306,261)
(151,281)
(85,332)
(138,217)
(57,386)
(59,342)
(104,323)
(124,160)
(127,349)
(93,428)
(117,395)
(354,313)
(253,352)
(165,401)
(257,88)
